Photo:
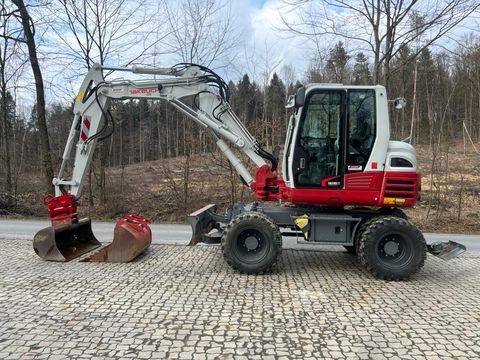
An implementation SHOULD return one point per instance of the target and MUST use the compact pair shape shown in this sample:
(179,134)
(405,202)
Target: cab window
(361,128)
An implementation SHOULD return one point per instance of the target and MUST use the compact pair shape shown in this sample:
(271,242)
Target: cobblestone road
(179,302)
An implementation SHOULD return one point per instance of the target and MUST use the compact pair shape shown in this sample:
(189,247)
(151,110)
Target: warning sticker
(393,201)
(355,168)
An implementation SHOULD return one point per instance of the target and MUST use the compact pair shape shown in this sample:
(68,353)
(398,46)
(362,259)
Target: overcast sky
(261,50)
(263,39)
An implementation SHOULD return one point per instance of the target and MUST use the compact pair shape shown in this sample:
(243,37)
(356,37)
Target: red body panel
(401,185)
(375,188)
(334,197)
(364,181)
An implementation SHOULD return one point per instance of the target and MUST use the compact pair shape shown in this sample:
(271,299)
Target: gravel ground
(183,302)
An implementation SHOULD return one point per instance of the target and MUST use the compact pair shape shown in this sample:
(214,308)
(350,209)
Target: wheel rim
(251,246)
(394,251)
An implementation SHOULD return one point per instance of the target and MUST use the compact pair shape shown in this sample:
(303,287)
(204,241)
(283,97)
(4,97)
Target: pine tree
(337,64)
(361,70)
(275,111)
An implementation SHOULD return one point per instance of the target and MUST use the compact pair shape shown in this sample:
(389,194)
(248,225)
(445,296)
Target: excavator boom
(70,236)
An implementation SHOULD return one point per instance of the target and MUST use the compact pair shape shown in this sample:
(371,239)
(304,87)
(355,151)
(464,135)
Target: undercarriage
(385,242)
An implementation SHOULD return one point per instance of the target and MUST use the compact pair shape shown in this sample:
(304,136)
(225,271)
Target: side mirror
(290,102)
(300,97)
(399,103)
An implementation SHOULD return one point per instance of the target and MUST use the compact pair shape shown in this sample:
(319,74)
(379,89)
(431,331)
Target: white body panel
(211,111)
(383,149)
(402,150)
(383,131)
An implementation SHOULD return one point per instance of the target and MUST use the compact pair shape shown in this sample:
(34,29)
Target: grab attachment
(446,250)
(131,237)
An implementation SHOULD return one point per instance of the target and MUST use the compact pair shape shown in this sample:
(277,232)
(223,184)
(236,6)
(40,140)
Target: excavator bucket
(131,237)
(64,242)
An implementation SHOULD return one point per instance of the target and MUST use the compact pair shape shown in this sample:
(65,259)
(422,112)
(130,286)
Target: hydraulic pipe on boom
(71,236)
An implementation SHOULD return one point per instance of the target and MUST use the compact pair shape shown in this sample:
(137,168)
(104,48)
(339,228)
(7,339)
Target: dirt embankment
(167,190)
(450,190)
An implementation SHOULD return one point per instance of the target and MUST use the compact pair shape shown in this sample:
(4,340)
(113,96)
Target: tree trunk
(27,25)
(414,103)
(6,142)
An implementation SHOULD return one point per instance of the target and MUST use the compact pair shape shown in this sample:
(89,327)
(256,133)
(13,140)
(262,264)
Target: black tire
(383,212)
(391,248)
(251,243)
(396,212)
(358,234)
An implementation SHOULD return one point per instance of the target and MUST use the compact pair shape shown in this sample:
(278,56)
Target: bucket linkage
(70,237)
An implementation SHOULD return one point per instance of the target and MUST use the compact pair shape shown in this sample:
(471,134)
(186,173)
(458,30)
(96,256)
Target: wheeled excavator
(343,181)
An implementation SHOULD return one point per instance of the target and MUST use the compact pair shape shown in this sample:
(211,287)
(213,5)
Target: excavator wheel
(391,248)
(251,243)
(352,249)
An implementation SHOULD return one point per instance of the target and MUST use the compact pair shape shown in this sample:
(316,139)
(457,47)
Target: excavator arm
(180,86)
(211,111)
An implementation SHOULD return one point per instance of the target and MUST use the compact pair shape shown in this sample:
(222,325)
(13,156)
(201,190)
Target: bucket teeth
(65,242)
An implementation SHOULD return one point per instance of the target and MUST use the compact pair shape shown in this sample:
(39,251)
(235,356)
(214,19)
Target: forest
(164,166)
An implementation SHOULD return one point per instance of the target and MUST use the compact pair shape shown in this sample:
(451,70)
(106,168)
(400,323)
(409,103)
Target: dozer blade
(446,250)
(131,237)
(206,225)
(202,222)
(65,242)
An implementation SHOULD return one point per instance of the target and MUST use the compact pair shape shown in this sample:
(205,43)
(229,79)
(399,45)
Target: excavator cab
(334,135)
(338,150)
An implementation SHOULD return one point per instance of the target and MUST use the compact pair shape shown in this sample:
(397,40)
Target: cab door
(319,154)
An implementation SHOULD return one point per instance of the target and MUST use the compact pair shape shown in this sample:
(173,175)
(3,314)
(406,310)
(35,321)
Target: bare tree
(202,31)
(8,52)
(29,39)
(117,30)
(264,66)
(379,26)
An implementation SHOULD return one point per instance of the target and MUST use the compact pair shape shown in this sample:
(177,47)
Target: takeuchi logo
(143,91)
